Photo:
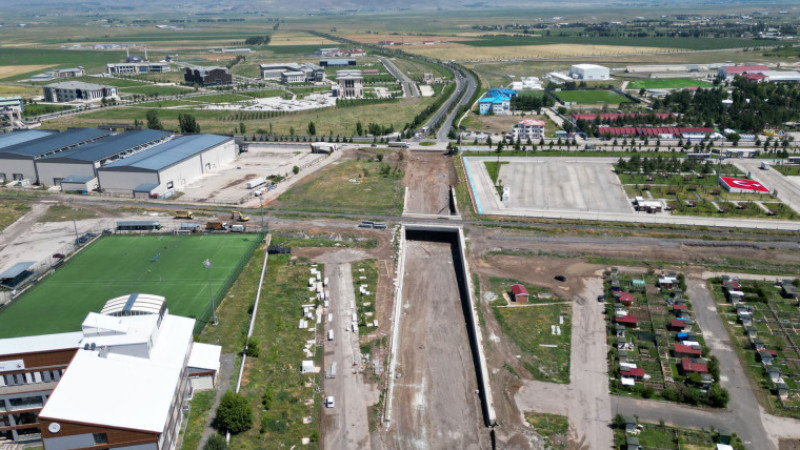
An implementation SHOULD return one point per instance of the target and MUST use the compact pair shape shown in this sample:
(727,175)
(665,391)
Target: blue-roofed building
(162,169)
(18,161)
(497,101)
(82,162)
(18,137)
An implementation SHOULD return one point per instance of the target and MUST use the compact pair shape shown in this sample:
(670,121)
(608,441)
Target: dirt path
(428,179)
(585,401)
(225,374)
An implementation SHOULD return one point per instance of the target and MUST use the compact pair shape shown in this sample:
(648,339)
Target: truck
(184,215)
(216,226)
(193,227)
(256,182)
(239,216)
(237,228)
(259,192)
(399,144)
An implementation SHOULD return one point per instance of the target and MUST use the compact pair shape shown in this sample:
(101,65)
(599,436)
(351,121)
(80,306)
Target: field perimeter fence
(221,290)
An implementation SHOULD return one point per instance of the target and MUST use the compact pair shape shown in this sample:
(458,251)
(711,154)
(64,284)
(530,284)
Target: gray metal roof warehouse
(111,147)
(18,137)
(168,154)
(54,143)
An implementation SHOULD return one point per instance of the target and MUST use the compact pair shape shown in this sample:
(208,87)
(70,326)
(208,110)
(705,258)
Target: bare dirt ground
(429,177)
(436,402)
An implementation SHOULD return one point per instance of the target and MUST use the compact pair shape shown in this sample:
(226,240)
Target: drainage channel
(438,393)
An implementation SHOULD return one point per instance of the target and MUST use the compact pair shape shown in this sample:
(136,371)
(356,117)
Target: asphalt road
(463,80)
(788,191)
(410,88)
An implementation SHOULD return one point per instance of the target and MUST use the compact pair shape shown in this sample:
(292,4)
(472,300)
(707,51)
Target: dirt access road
(348,426)
(436,404)
(428,178)
(585,401)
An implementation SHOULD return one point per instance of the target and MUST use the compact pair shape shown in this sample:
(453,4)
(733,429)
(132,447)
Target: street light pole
(74,223)
(207,264)
(261,207)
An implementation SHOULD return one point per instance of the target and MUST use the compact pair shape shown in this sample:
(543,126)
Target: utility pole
(207,264)
(74,223)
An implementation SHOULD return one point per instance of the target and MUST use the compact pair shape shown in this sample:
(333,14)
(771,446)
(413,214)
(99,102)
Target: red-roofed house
(677,324)
(678,308)
(689,366)
(626,298)
(520,293)
(681,351)
(757,77)
(637,373)
(735,285)
(628,321)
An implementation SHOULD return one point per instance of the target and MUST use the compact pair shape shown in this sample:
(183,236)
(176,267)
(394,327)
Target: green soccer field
(171,266)
(668,83)
(592,97)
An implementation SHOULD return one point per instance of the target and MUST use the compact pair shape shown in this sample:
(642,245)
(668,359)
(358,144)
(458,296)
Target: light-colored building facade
(160,170)
(589,72)
(293,72)
(78,91)
(349,84)
(134,68)
(528,129)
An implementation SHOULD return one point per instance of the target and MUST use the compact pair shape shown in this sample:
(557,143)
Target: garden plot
(657,349)
(763,321)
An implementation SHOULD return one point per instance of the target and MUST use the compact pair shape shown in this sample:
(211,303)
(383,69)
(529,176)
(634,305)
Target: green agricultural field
(592,97)
(164,265)
(330,189)
(58,59)
(668,83)
(544,355)
(666,42)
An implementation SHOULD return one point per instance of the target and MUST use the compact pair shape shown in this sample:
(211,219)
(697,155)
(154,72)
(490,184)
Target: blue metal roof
(17,137)
(15,270)
(169,153)
(108,147)
(55,142)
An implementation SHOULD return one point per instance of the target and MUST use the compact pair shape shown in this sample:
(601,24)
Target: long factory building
(145,163)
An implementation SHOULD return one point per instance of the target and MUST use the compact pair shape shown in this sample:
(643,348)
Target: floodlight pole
(74,223)
(261,207)
(207,264)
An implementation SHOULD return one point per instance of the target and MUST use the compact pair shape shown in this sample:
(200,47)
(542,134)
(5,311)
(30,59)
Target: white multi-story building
(78,91)
(293,72)
(350,84)
(528,129)
(121,382)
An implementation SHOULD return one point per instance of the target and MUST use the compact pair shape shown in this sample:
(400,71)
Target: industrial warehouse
(146,163)
(122,380)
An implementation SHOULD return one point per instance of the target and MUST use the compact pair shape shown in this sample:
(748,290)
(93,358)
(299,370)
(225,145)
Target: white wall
(118,182)
(50,170)
(23,166)
(180,174)
(220,156)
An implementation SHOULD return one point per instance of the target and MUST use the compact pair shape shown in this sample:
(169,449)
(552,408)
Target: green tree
(380,157)
(312,129)
(242,128)
(359,128)
(619,422)
(717,396)
(268,397)
(253,347)
(216,442)
(153,122)
(188,124)
(235,414)
(291,131)
(295,170)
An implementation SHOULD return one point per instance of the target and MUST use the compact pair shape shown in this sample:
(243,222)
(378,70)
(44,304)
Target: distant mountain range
(149,7)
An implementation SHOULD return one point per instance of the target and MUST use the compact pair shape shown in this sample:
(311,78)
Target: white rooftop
(117,390)
(41,343)
(205,356)
(132,304)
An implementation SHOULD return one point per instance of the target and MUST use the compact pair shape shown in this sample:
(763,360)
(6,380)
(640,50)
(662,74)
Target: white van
(330,335)
(329,402)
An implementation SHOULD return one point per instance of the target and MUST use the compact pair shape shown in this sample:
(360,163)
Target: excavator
(239,216)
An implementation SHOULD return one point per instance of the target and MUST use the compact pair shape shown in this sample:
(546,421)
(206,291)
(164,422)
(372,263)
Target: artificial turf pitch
(171,266)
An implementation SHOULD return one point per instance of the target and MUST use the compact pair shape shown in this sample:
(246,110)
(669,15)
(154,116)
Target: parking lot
(229,185)
(552,184)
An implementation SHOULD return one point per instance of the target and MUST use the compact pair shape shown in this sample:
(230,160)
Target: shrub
(216,442)
(234,413)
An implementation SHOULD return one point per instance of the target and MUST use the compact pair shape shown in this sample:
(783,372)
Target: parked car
(59,256)
(329,402)
(601,298)
(561,278)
